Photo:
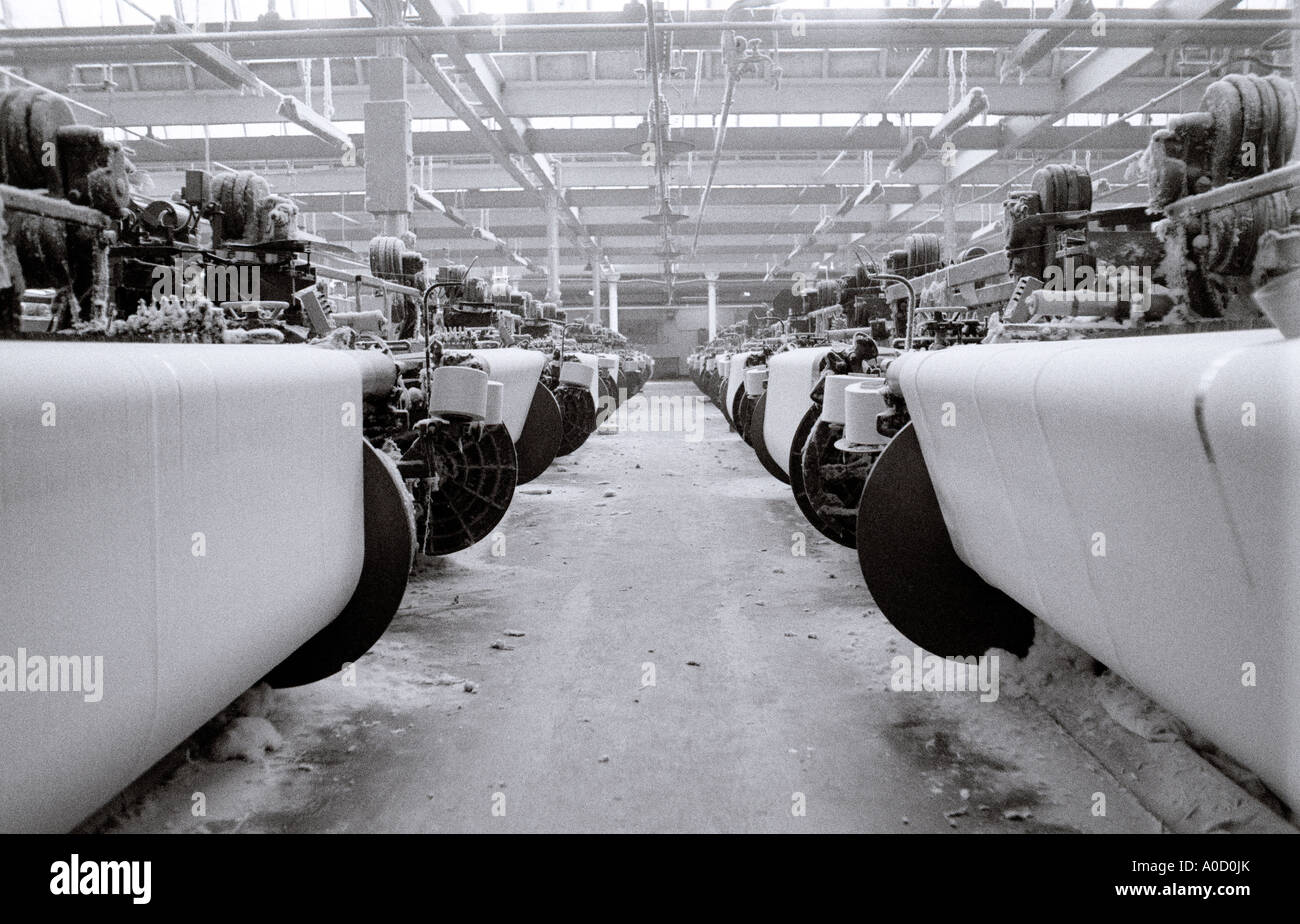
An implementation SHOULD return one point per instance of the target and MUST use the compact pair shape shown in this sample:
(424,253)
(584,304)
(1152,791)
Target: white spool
(496,399)
(863,400)
(755,381)
(833,397)
(608,362)
(459,391)
(579,374)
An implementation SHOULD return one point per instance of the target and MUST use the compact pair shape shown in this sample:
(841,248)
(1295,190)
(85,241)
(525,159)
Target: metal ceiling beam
(605,97)
(598,202)
(778,174)
(607,141)
(587,32)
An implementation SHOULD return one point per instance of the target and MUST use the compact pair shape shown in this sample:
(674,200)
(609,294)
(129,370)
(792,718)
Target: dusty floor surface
(664,557)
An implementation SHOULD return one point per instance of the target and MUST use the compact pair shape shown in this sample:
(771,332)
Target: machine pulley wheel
(826,481)
(578,414)
(477,474)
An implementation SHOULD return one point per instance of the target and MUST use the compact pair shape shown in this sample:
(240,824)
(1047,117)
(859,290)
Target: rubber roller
(459,391)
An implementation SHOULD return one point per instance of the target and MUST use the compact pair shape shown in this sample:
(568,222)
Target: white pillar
(595,291)
(553,252)
(613,301)
(949,204)
(713,304)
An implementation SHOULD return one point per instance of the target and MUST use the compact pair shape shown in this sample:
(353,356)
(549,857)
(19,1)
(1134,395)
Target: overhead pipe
(968,107)
(869,194)
(295,111)
(914,151)
(827,223)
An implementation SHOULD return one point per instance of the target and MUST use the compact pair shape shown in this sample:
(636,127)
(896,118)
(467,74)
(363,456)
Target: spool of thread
(459,391)
(496,396)
(863,400)
(577,374)
(833,409)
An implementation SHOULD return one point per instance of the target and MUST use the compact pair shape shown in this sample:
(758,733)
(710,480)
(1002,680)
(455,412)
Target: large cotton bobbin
(579,374)
(459,391)
(863,401)
(496,395)
(833,397)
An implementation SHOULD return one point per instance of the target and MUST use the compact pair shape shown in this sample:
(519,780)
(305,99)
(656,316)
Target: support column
(595,291)
(388,131)
(553,252)
(713,304)
(613,278)
(948,197)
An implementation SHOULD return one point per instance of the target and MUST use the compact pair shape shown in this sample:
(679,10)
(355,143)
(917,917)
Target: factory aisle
(641,648)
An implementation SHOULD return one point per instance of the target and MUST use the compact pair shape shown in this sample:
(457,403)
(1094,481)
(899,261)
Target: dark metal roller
(760,446)
(745,419)
(734,417)
(389,549)
(539,442)
(724,406)
(913,572)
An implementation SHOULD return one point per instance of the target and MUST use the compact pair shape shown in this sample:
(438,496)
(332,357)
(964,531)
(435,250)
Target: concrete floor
(663,552)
